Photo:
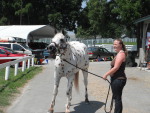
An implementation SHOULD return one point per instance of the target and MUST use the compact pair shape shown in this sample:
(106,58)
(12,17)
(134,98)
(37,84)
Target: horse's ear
(55,31)
(63,32)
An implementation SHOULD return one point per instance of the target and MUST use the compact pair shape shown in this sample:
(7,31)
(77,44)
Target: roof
(27,31)
(143,19)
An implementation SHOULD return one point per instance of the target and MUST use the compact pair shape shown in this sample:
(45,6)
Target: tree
(6,9)
(83,28)
(114,18)
(60,14)
(64,13)
(21,10)
(99,17)
(98,20)
(128,12)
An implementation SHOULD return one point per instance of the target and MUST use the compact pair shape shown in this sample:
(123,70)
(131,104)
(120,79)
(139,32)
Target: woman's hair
(123,46)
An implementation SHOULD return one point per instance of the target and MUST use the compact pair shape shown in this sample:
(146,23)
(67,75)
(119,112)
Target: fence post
(7,71)
(28,63)
(16,69)
(33,61)
(23,66)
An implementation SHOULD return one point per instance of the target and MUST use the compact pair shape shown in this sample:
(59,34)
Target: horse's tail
(76,81)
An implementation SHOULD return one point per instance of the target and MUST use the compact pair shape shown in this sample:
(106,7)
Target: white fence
(28,59)
(105,40)
(131,47)
(103,43)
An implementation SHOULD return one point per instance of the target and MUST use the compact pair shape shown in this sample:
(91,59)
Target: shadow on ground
(82,107)
(92,107)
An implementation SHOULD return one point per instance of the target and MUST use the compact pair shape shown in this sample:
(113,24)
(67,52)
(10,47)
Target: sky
(83,4)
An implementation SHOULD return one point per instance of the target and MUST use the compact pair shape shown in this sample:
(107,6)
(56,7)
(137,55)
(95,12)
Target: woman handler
(117,74)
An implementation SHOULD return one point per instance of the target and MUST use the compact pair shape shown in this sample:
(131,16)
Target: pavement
(37,93)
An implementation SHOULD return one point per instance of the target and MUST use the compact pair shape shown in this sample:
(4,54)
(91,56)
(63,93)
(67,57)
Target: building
(143,37)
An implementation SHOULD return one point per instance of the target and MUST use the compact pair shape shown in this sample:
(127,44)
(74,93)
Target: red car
(6,52)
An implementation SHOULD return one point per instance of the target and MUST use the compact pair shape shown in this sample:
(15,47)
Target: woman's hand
(105,77)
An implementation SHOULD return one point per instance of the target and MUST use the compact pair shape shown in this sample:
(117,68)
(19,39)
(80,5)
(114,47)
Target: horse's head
(58,45)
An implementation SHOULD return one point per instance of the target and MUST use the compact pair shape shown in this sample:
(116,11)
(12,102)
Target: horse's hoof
(87,101)
(67,111)
(50,111)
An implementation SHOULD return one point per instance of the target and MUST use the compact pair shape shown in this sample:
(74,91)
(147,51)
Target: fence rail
(29,59)
(109,47)
(104,40)
(107,43)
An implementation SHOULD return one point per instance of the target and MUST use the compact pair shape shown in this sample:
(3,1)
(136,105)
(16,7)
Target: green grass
(9,88)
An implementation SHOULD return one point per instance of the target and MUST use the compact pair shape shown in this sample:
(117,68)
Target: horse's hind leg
(85,75)
(55,91)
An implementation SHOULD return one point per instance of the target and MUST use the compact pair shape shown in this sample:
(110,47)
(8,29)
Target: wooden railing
(28,59)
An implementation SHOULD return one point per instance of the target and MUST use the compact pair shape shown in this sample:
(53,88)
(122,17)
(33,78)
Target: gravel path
(36,95)
(136,93)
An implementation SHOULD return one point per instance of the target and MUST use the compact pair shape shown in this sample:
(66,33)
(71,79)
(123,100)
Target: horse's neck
(68,52)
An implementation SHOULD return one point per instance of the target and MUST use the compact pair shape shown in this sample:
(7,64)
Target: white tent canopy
(27,31)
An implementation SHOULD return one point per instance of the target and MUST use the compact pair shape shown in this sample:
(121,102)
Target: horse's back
(79,46)
(80,50)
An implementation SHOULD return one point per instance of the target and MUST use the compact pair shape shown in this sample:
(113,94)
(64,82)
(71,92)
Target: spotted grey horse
(75,53)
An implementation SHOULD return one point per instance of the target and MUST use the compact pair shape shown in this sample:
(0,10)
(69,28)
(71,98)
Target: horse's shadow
(92,107)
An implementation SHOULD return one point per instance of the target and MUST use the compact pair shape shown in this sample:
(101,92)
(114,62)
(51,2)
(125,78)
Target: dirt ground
(135,97)
(136,93)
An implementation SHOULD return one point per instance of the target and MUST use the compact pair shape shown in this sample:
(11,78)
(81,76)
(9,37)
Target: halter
(58,49)
(55,44)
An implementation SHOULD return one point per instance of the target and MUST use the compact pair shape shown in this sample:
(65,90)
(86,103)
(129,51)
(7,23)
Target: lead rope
(111,106)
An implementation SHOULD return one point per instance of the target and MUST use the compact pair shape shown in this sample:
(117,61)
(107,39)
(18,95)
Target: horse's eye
(62,40)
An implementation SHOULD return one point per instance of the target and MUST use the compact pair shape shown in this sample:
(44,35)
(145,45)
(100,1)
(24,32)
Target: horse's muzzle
(52,50)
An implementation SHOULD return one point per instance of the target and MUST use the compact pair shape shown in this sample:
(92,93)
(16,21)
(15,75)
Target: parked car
(99,53)
(7,52)
(20,48)
(46,53)
(37,45)
(40,55)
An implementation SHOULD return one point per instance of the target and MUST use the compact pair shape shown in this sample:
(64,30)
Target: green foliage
(64,13)
(82,33)
(127,11)
(96,11)
(3,20)
(23,10)
(58,13)
(113,18)
(104,18)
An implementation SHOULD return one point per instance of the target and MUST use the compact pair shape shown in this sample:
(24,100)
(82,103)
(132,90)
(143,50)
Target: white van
(20,48)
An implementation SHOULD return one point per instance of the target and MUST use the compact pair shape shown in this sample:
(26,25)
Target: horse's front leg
(69,92)
(55,91)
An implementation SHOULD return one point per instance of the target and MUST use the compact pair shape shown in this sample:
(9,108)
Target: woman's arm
(118,61)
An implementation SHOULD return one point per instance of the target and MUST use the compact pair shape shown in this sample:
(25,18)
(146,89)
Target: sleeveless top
(120,72)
